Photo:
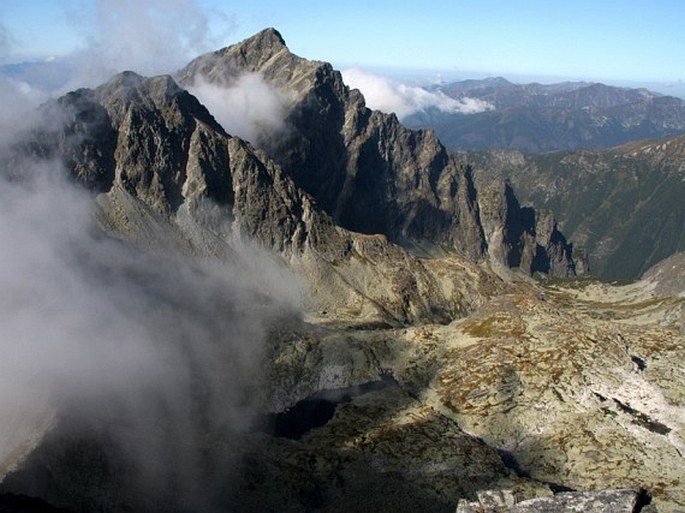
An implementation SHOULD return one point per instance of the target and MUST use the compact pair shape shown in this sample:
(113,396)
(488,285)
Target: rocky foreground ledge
(607,501)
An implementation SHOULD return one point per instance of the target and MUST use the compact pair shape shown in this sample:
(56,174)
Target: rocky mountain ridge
(365,170)
(164,158)
(568,95)
(148,143)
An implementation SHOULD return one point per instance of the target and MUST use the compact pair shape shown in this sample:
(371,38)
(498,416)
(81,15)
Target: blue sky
(639,41)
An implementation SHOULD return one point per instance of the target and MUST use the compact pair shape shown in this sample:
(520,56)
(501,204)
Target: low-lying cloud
(389,96)
(20,100)
(247,107)
(149,37)
(160,353)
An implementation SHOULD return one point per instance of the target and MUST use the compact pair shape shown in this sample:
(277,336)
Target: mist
(149,355)
(247,107)
(152,361)
(19,108)
(150,37)
(393,97)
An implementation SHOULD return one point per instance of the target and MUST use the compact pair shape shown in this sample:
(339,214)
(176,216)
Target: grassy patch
(496,325)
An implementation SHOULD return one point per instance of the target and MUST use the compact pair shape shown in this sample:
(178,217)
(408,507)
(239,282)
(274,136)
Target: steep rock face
(522,237)
(367,171)
(146,134)
(165,150)
(174,179)
(622,205)
(157,123)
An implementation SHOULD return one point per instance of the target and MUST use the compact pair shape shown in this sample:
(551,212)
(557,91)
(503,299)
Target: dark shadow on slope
(316,410)
(10,503)
(370,456)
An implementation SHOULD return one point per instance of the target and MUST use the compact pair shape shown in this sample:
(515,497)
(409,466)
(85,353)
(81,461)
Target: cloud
(149,37)
(158,352)
(18,112)
(389,96)
(247,107)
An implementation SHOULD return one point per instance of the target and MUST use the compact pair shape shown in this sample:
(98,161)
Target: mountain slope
(367,171)
(622,205)
(171,179)
(669,278)
(535,118)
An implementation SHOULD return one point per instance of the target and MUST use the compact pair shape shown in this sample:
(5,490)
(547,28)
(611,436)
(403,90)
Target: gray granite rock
(605,501)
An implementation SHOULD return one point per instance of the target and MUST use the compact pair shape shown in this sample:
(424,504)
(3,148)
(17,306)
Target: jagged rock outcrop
(622,205)
(177,180)
(606,501)
(147,135)
(170,155)
(522,237)
(367,171)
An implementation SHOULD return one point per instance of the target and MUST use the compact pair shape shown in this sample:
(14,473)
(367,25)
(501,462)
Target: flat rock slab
(607,501)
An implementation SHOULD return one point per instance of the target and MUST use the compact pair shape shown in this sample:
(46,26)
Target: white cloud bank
(389,96)
(150,37)
(147,36)
(248,107)
(159,351)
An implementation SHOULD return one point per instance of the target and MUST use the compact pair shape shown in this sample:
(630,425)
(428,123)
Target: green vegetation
(624,207)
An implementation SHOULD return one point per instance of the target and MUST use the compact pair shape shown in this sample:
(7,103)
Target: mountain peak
(268,37)
(266,43)
(251,54)
(129,87)
(125,79)
(500,81)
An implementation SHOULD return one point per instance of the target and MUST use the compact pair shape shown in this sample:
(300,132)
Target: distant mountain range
(536,118)
(608,162)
